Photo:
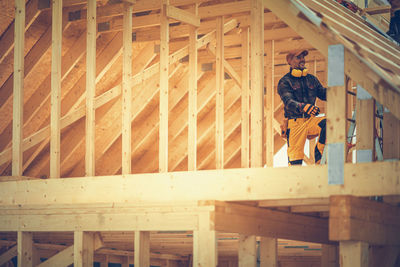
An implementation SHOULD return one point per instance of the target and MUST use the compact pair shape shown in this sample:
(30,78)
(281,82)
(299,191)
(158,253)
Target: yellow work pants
(298,130)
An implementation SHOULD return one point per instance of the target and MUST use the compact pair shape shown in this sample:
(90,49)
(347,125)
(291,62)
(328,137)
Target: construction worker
(394,26)
(298,91)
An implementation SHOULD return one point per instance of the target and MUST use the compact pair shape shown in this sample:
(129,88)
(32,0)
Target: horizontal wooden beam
(234,218)
(362,179)
(356,219)
(182,15)
(55,218)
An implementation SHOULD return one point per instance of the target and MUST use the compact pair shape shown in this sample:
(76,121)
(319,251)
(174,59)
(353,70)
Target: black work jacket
(295,91)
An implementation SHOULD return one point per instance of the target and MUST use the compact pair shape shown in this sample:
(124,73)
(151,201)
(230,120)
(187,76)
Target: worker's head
(296,59)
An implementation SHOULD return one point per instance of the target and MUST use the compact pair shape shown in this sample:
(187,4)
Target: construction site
(149,133)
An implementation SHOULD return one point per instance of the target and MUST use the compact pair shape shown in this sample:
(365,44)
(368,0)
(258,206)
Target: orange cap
(295,53)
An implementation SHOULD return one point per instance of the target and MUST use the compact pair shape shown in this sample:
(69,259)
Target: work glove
(310,109)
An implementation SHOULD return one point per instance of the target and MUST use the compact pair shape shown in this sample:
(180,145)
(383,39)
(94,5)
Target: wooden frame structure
(192,81)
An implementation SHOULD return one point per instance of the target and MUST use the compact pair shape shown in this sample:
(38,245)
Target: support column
(164,66)
(268,252)
(365,123)
(270,104)
(142,249)
(83,249)
(18,90)
(247,251)
(336,115)
(25,249)
(257,81)
(205,253)
(330,256)
(90,88)
(245,149)
(353,254)
(391,137)
(192,108)
(55,129)
(127,90)
(219,68)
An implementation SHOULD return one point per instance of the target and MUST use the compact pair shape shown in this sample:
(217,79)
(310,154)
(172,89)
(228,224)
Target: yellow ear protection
(298,73)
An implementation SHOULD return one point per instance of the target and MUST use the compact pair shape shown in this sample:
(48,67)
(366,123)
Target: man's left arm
(321,91)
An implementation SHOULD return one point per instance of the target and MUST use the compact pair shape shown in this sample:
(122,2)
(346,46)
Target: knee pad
(322,135)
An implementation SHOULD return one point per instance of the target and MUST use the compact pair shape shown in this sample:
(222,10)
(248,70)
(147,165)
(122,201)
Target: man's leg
(319,147)
(296,138)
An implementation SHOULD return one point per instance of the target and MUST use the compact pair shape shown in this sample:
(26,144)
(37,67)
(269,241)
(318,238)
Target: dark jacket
(295,92)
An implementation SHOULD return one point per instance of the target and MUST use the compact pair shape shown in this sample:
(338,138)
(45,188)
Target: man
(298,91)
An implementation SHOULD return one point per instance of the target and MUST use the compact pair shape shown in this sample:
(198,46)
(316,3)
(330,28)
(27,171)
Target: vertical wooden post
(353,254)
(205,243)
(127,90)
(192,108)
(83,249)
(336,114)
(219,68)
(142,249)
(257,81)
(164,64)
(245,149)
(270,103)
(25,249)
(56,36)
(18,90)
(330,256)
(247,251)
(90,88)
(365,121)
(268,252)
(391,137)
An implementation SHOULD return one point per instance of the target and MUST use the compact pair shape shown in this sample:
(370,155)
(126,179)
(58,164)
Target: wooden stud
(365,121)
(257,81)
(245,126)
(90,89)
(127,91)
(391,138)
(142,249)
(25,249)
(247,251)
(205,253)
(192,105)
(330,256)
(18,91)
(270,103)
(164,66)
(55,129)
(268,252)
(353,254)
(83,249)
(219,120)
(336,118)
